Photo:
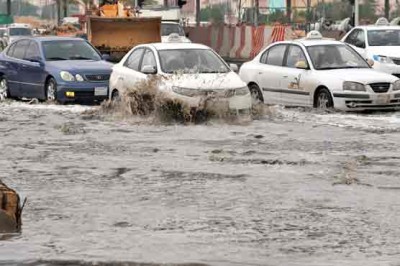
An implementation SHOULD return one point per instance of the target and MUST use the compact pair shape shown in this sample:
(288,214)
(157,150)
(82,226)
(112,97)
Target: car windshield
(335,56)
(20,32)
(384,37)
(191,61)
(168,28)
(69,50)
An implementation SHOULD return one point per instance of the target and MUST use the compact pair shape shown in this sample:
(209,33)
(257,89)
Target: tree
(214,14)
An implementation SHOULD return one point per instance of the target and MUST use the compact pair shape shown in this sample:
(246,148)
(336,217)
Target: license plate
(382,99)
(100,91)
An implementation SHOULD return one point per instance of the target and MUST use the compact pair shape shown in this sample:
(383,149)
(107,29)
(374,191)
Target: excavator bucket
(116,36)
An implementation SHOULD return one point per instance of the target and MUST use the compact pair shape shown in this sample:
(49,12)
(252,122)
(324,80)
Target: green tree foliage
(20,8)
(213,13)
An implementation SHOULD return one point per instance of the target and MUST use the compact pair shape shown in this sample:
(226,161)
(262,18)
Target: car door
(12,72)
(357,40)
(270,73)
(25,89)
(130,73)
(32,82)
(295,78)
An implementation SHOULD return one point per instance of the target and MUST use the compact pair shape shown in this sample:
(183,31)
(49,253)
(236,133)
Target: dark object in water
(10,210)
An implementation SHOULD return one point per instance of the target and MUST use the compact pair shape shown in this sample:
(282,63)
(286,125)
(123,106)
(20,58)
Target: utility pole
(239,9)
(65,6)
(308,15)
(356,12)
(197,13)
(289,10)
(8,7)
(387,9)
(256,10)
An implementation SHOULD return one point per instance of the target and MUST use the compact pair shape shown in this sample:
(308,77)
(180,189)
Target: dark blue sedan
(54,68)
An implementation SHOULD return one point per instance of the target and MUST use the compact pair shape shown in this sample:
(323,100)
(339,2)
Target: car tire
(256,94)
(51,90)
(4,90)
(323,99)
(115,96)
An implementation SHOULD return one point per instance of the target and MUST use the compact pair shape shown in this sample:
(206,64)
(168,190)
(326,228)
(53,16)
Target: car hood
(390,51)
(81,66)
(217,81)
(364,76)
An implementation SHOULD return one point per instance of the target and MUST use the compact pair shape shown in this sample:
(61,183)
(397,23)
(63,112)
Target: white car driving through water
(380,43)
(319,73)
(190,72)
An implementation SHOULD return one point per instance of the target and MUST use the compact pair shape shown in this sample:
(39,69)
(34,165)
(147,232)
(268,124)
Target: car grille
(396,61)
(98,78)
(380,87)
(84,94)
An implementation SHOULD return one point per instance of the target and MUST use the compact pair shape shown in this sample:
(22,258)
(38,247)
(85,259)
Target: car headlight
(65,75)
(382,59)
(79,78)
(353,86)
(242,91)
(185,91)
(396,85)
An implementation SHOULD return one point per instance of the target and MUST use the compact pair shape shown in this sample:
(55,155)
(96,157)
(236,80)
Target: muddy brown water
(296,188)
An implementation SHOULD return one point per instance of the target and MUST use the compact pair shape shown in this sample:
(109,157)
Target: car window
(295,54)
(20,48)
(275,55)
(33,50)
(263,58)
(384,37)
(56,50)
(148,59)
(133,60)
(10,51)
(335,56)
(356,38)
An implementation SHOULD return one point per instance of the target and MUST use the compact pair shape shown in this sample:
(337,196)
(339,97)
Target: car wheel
(51,90)
(256,94)
(324,99)
(115,95)
(4,90)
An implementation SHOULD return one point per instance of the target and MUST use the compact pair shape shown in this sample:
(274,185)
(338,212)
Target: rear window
(384,37)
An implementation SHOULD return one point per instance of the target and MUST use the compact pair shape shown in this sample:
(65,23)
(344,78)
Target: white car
(16,31)
(379,43)
(172,32)
(319,73)
(190,71)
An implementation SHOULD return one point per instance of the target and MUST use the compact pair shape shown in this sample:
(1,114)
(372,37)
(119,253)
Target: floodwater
(297,187)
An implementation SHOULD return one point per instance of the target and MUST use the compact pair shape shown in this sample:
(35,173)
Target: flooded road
(297,187)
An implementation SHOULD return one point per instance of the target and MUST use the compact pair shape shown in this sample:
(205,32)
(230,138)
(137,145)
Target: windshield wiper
(56,58)
(80,58)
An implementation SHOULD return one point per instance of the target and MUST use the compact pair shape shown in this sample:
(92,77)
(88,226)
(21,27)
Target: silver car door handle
(285,77)
(259,73)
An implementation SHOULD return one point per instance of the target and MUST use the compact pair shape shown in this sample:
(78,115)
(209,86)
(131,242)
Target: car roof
(308,42)
(52,38)
(177,46)
(374,27)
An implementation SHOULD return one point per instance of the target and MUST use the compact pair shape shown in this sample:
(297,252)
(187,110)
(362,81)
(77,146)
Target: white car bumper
(392,69)
(234,103)
(353,101)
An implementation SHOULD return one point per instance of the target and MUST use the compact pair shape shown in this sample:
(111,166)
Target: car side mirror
(370,62)
(105,57)
(149,70)
(187,34)
(35,59)
(234,67)
(301,65)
